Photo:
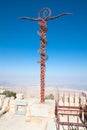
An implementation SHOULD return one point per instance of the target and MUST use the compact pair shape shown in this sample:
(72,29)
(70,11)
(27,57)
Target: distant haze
(66,49)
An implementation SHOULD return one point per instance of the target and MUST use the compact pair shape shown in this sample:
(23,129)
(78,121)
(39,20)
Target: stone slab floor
(17,122)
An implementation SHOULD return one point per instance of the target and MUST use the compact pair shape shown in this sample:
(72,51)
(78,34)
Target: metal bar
(74,124)
(71,107)
(70,110)
(77,123)
(42,32)
(68,122)
(68,114)
(74,99)
(69,99)
(58,119)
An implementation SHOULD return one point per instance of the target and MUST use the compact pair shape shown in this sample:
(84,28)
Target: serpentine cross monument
(43,16)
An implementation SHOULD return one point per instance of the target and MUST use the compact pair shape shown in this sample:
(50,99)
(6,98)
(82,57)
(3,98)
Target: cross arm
(28,18)
(57,16)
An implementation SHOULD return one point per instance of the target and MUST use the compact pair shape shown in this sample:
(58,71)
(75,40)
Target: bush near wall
(50,96)
(9,93)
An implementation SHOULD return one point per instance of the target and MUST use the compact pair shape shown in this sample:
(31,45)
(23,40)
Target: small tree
(50,96)
(9,93)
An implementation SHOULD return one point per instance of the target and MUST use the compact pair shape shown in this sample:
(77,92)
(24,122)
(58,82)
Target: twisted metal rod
(43,16)
(42,51)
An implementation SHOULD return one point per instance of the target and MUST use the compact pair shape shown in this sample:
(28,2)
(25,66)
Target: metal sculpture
(43,16)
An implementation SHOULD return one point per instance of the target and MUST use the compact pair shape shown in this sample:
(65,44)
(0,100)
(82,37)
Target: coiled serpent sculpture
(43,16)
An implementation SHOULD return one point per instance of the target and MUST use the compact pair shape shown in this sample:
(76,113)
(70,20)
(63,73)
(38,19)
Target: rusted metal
(58,120)
(71,107)
(71,110)
(74,124)
(68,122)
(85,113)
(74,99)
(77,122)
(42,51)
(43,16)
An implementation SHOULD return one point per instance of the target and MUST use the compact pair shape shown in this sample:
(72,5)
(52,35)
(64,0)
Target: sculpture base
(42,114)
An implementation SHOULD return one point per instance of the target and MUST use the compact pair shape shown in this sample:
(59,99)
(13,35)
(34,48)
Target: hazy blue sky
(67,43)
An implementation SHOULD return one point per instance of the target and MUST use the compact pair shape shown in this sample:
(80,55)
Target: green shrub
(50,96)
(9,93)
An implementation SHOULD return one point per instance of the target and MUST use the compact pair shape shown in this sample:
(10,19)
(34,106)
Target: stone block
(45,110)
(19,96)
